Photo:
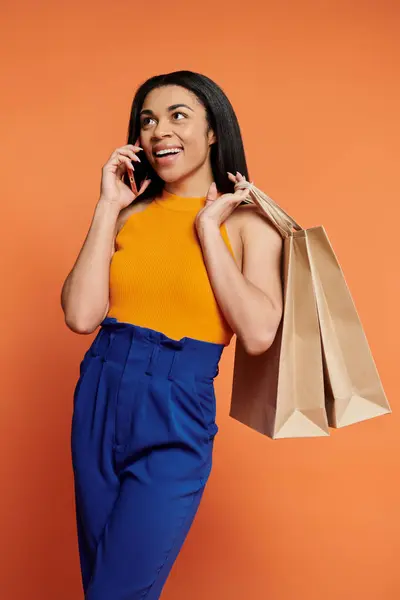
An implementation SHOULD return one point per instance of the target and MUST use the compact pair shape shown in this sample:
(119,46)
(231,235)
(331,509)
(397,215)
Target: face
(174,133)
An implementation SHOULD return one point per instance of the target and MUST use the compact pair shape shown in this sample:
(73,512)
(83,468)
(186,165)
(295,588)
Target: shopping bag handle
(283,222)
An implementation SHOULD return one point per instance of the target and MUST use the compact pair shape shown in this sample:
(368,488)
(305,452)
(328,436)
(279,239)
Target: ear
(212,138)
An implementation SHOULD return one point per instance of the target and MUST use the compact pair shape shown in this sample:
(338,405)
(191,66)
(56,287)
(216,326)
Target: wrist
(206,227)
(104,204)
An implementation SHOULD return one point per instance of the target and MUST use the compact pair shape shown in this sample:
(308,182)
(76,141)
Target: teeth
(168,151)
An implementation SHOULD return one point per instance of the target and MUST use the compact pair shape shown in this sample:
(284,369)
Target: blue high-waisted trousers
(142,436)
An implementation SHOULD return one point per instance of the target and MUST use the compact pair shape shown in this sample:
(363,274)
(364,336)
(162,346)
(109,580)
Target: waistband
(155,352)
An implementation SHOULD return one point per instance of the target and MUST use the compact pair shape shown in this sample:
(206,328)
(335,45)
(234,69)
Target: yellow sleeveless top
(158,278)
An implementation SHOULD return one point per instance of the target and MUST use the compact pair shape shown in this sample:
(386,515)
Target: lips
(167,159)
(160,147)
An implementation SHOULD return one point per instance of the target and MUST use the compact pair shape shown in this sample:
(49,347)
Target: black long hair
(226,154)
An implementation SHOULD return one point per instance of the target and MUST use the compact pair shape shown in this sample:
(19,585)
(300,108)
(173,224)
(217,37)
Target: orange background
(316,89)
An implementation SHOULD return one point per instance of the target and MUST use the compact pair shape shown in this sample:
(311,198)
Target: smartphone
(132,182)
(131,176)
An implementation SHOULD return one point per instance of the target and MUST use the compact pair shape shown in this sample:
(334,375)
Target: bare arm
(85,293)
(251,301)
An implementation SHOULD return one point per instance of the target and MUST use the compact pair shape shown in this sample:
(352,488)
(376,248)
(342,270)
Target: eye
(144,121)
(178,112)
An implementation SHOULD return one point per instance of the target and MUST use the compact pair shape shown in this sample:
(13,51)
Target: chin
(170,176)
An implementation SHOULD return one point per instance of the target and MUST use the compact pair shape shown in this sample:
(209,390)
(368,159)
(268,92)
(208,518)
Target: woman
(170,272)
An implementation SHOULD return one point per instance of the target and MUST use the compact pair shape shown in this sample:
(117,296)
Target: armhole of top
(134,212)
(113,249)
(229,243)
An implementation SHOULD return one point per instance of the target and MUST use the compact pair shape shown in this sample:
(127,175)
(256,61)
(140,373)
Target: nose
(162,129)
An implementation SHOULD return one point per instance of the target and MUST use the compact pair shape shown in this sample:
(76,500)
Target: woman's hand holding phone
(113,189)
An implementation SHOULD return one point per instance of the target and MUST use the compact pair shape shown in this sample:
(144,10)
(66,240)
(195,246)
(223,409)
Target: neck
(187,191)
(196,185)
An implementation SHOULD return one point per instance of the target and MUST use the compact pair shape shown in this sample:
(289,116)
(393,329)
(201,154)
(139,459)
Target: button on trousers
(142,434)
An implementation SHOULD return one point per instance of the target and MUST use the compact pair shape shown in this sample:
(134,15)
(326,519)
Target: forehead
(161,98)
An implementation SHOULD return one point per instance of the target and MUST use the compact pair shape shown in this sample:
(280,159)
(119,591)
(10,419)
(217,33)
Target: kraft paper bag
(319,370)
(280,393)
(353,389)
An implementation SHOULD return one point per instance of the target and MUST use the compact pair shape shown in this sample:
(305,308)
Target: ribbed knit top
(158,278)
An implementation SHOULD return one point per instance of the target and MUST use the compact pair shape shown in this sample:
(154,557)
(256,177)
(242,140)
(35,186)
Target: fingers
(237,177)
(240,194)
(134,147)
(118,160)
(127,151)
(121,159)
(124,154)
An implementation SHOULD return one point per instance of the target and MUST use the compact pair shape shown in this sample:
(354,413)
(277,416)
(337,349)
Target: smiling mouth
(167,159)
(166,152)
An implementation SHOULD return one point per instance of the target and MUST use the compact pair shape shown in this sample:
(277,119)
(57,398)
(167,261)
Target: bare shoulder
(253,224)
(262,253)
(125,213)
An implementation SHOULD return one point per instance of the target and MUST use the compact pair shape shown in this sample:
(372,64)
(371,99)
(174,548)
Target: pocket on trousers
(82,370)
(205,396)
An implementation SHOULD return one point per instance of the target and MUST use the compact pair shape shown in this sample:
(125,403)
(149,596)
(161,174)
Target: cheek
(147,148)
(196,149)
(194,141)
(144,138)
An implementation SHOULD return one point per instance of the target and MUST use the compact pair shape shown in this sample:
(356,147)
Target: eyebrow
(147,111)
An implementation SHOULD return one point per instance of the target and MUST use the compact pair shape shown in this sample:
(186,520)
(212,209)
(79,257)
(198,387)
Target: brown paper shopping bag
(353,389)
(280,393)
(268,393)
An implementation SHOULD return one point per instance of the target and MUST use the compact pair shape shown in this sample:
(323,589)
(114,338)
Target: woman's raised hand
(113,189)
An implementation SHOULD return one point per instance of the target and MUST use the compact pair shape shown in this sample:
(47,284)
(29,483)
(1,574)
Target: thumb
(212,193)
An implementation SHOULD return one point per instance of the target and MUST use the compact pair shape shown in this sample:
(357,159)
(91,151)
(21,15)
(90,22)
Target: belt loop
(173,364)
(153,356)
